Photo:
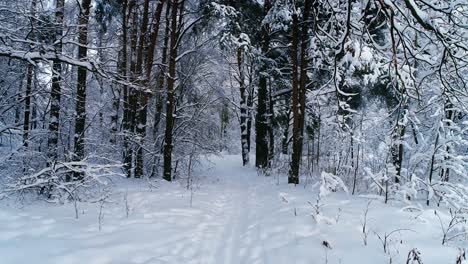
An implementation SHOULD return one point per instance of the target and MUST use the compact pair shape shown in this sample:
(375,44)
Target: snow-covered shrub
(454,227)
(330,183)
(58,183)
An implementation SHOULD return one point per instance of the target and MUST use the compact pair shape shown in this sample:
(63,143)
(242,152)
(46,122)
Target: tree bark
(141,99)
(162,74)
(130,95)
(271,134)
(295,160)
(80,119)
(243,107)
(161,78)
(27,92)
(143,96)
(27,105)
(285,139)
(171,78)
(397,148)
(250,100)
(299,92)
(56,90)
(127,158)
(261,121)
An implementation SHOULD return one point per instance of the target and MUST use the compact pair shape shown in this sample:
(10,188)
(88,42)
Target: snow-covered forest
(234,131)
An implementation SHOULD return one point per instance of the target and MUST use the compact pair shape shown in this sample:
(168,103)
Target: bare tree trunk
(131,93)
(294,170)
(141,95)
(18,100)
(397,148)
(161,74)
(299,92)
(250,93)
(114,118)
(27,92)
(450,117)
(80,119)
(127,158)
(357,162)
(159,90)
(27,105)
(431,169)
(261,120)
(271,134)
(285,139)
(243,108)
(168,137)
(56,90)
(153,39)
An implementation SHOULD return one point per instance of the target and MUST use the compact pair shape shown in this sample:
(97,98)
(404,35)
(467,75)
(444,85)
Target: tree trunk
(299,92)
(243,108)
(450,117)
(158,108)
(80,119)
(141,95)
(27,105)
(397,148)
(27,92)
(127,158)
(56,90)
(162,75)
(271,116)
(285,139)
(114,118)
(250,99)
(168,137)
(431,169)
(131,93)
(295,161)
(261,121)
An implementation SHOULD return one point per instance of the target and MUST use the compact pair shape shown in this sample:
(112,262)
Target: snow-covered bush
(59,183)
(331,183)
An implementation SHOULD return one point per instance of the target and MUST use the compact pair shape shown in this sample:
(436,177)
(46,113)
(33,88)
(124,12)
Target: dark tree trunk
(450,117)
(127,158)
(161,75)
(397,148)
(271,116)
(141,95)
(80,120)
(114,118)
(243,107)
(27,105)
(56,90)
(168,137)
(261,120)
(131,93)
(285,139)
(299,92)
(295,161)
(153,39)
(159,95)
(27,92)
(249,111)
(431,169)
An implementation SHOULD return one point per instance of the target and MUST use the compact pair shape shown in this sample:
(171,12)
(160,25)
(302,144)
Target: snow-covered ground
(236,217)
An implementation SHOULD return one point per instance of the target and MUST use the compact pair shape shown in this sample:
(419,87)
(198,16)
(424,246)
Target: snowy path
(237,217)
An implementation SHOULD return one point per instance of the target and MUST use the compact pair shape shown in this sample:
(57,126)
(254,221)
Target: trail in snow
(237,217)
